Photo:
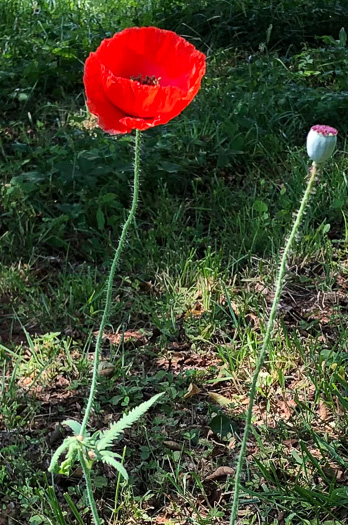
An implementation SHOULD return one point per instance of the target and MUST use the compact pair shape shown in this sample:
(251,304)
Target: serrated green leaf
(55,458)
(74,425)
(108,436)
(110,454)
(69,461)
(117,465)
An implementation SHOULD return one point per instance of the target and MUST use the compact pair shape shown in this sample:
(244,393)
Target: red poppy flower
(140,78)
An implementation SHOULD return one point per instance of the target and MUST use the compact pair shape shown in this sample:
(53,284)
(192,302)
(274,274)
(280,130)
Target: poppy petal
(137,99)
(108,115)
(151,51)
(115,78)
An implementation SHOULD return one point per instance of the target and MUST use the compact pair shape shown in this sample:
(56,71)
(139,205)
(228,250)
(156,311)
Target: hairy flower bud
(92,455)
(321,142)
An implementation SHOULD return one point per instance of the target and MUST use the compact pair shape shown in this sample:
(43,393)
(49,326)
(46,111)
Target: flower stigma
(147,80)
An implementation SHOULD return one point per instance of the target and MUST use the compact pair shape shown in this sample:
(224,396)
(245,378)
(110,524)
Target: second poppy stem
(269,330)
(111,280)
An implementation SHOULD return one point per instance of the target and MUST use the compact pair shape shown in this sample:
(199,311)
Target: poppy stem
(87,474)
(269,330)
(111,279)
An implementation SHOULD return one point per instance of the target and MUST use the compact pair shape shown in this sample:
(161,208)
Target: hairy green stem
(268,334)
(91,500)
(111,279)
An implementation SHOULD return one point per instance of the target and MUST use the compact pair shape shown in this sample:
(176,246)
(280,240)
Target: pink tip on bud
(321,142)
(327,131)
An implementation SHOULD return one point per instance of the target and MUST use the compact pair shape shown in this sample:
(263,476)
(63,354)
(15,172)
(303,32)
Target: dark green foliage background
(273,71)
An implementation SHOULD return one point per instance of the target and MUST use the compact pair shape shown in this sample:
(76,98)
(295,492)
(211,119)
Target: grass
(219,186)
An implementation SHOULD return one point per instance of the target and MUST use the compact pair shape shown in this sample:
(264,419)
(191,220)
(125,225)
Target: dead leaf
(192,391)
(232,444)
(128,335)
(285,412)
(323,411)
(261,288)
(333,472)
(252,320)
(172,445)
(220,472)
(219,399)
(198,310)
(106,369)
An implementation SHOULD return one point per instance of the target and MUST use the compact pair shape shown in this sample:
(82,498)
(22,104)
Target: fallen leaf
(172,445)
(221,400)
(128,335)
(198,310)
(284,410)
(106,369)
(252,320)
(261,288)
(323,411)
(192,391)
(333,472)
(220,472)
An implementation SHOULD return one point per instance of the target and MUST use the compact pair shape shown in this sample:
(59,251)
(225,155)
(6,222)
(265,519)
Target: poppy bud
(92,455)
(321,142)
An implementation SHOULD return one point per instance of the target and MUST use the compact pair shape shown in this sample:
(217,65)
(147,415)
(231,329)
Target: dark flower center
(147,80)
